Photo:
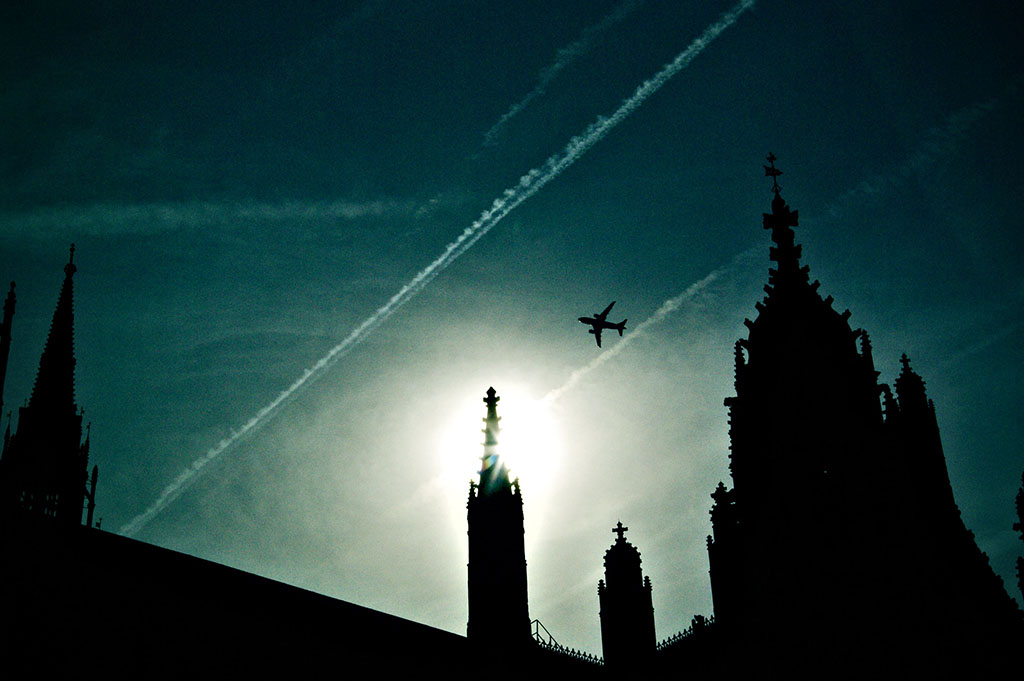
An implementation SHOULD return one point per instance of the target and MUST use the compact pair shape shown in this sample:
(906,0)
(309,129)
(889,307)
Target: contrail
(528,185)
(563,58)
(115,218)
(667,308)
(937,143)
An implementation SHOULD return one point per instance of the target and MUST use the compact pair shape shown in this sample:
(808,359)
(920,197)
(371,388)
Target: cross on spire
(620,530)
(773,172)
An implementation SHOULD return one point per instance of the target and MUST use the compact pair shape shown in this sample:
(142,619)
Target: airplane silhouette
(599,324)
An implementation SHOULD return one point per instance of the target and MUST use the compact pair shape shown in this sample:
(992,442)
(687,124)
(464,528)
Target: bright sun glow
(529,441)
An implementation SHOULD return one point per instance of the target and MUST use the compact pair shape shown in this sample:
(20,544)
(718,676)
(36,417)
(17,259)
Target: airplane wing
(603,315)
(597,334)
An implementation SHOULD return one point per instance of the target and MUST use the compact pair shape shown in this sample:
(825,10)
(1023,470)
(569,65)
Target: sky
(311,231)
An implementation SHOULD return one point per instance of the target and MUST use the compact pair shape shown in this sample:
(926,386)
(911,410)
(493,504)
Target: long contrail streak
(563,58)
(528,185)
(667,308)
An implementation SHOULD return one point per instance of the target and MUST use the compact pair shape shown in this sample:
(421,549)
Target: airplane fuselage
(599,322)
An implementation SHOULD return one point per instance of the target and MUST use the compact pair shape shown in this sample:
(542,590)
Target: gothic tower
(498,610)
(804,427)
(44,466)
(840,539)
(627,613)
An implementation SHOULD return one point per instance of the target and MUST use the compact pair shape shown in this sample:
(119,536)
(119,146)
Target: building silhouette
(627,612)
(841,516)
(837,550)
(498,607)
(44,466)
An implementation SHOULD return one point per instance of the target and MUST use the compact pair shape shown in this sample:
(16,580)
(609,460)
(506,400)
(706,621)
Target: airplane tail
(621,326)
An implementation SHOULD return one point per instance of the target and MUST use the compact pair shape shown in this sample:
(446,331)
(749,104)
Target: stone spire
(910,390)
(499,617)
(493,473)
(45,464)
(5,340)
(54,388)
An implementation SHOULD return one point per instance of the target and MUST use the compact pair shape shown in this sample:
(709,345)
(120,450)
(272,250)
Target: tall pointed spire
(499,615)
(5,340)
(45,463)
(55,382)
(493,474)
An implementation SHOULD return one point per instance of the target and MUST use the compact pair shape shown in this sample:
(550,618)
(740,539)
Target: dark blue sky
(248,182)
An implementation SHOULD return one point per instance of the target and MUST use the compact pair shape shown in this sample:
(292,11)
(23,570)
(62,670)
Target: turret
(627,612)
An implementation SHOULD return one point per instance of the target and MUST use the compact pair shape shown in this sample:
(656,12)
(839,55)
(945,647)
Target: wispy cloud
(667,308)
(563,58)
(112,218)
(982,344)
(938,142)
(528,185)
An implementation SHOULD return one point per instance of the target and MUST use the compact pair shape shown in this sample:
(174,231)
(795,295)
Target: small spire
(55,379)
(70,268)
(492,399)
(493,474)
(773,172)
(491,420)
(910,388)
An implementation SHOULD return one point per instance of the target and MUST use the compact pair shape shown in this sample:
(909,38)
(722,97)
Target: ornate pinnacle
(492,398)
(773,172)
(493,474)
(70,268)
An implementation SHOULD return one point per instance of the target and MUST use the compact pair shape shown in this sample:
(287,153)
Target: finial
(773,172)
(905,361)
(620,530)
(70,268)
(492,398)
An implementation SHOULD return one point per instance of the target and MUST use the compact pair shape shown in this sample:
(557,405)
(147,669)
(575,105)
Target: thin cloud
(663,312)
(528,185)
(939,142)
(563,58)
(112,219)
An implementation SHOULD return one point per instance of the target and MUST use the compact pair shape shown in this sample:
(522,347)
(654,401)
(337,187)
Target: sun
(529,441)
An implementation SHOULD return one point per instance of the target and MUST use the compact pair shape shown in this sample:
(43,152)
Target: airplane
(598,323)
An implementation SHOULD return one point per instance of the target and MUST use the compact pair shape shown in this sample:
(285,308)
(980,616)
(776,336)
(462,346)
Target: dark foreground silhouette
(837,551)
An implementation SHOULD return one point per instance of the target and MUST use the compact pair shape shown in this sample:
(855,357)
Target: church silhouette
(838,550)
